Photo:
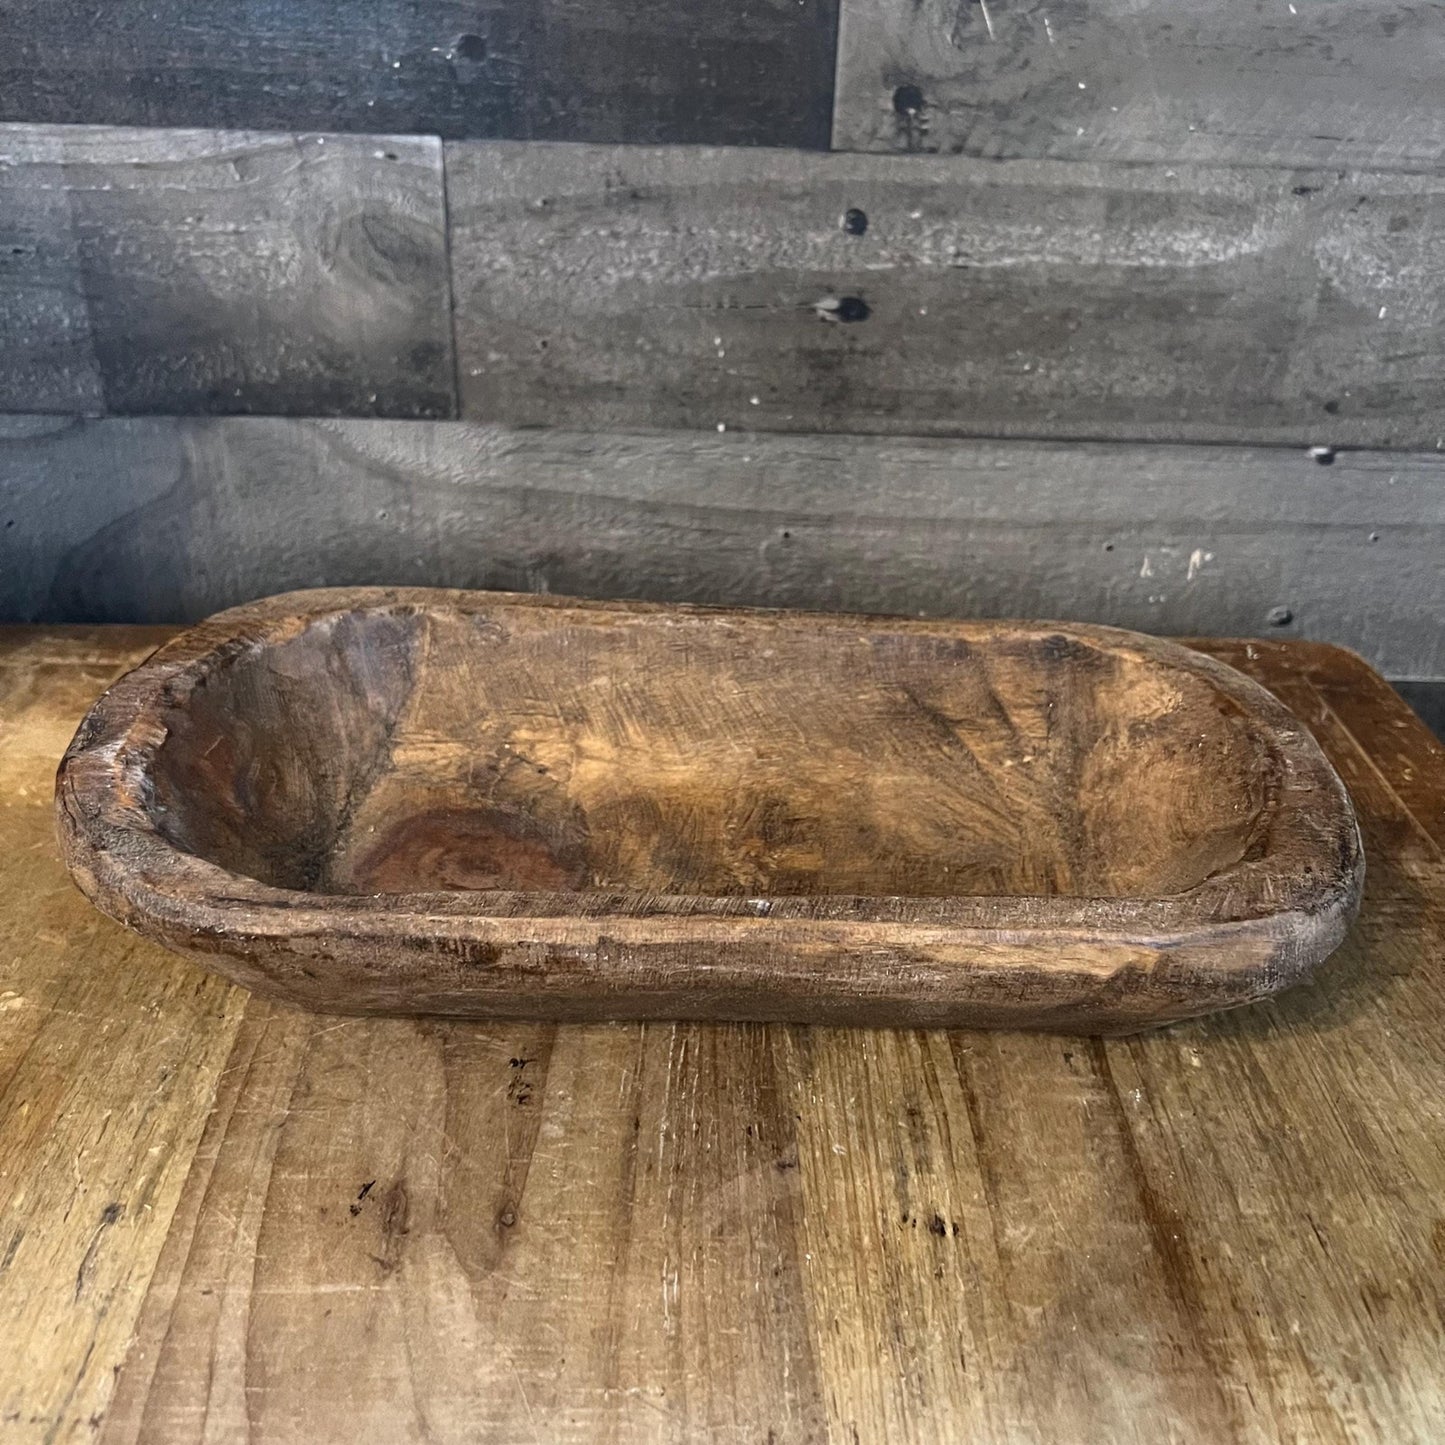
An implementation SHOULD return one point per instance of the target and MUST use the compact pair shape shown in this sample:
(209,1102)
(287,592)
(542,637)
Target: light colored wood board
(981,1261)
(1228,1230)
(651,71)
(108,1054)
(619,287)
(215,271)
(633,1270)
(1241,81)
(158,519)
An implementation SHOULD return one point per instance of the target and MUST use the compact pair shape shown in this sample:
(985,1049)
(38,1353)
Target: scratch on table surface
(108,1216)
(521,1390)
(339,1024)
(318,1289)
(415,1120)
(666,1094)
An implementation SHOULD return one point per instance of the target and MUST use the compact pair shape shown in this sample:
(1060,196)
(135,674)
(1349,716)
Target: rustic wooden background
(1130,311)
(1202,238)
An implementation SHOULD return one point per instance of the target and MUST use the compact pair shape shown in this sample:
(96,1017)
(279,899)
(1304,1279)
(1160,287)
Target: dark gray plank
(1247,81)
(162,520)
(212,271)
(616,287)
(726,72)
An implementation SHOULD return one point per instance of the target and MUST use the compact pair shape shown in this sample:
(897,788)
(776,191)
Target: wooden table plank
(170,519)
(1402,747)
(108,1054)
(1426,696)
(626,286)
(726,72)
(215,271)
(1226,1230)
(1239,81)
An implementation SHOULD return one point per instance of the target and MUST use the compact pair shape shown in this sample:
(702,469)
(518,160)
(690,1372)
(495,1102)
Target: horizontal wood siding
(725,72)
(1251,82)
(160,519)
(618,288)
(209,271)
(623,287)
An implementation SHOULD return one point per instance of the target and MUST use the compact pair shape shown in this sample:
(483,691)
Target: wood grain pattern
(1229,1230)
(107,1053)
(1240,81)
(618,287)
(170,520)
(189,271)
(1427,697)
(410,801)
(731,72)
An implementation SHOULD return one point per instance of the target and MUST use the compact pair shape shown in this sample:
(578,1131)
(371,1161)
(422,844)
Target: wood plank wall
(1203,238)
(213,271)
(1162,538)
(621,286)
(1241,82)
(726,72)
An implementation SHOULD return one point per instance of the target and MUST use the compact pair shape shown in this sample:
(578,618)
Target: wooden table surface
(223,1221)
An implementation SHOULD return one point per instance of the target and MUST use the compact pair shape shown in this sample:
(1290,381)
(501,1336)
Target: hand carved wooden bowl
(470,803)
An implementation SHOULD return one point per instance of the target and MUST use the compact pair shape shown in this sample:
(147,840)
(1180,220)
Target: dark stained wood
(617,287)
(187,271)
(171,520)
(1242,81)
(1415,759)
(1426,697)
(661,1233)
(393,801)
(727,72)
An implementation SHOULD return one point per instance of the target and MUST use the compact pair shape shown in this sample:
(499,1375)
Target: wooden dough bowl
(411,801)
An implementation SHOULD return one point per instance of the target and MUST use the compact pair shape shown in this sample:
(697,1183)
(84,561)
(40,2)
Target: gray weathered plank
(1246,81)
(621,287)
(163,519)
(191,271)
(726,72)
